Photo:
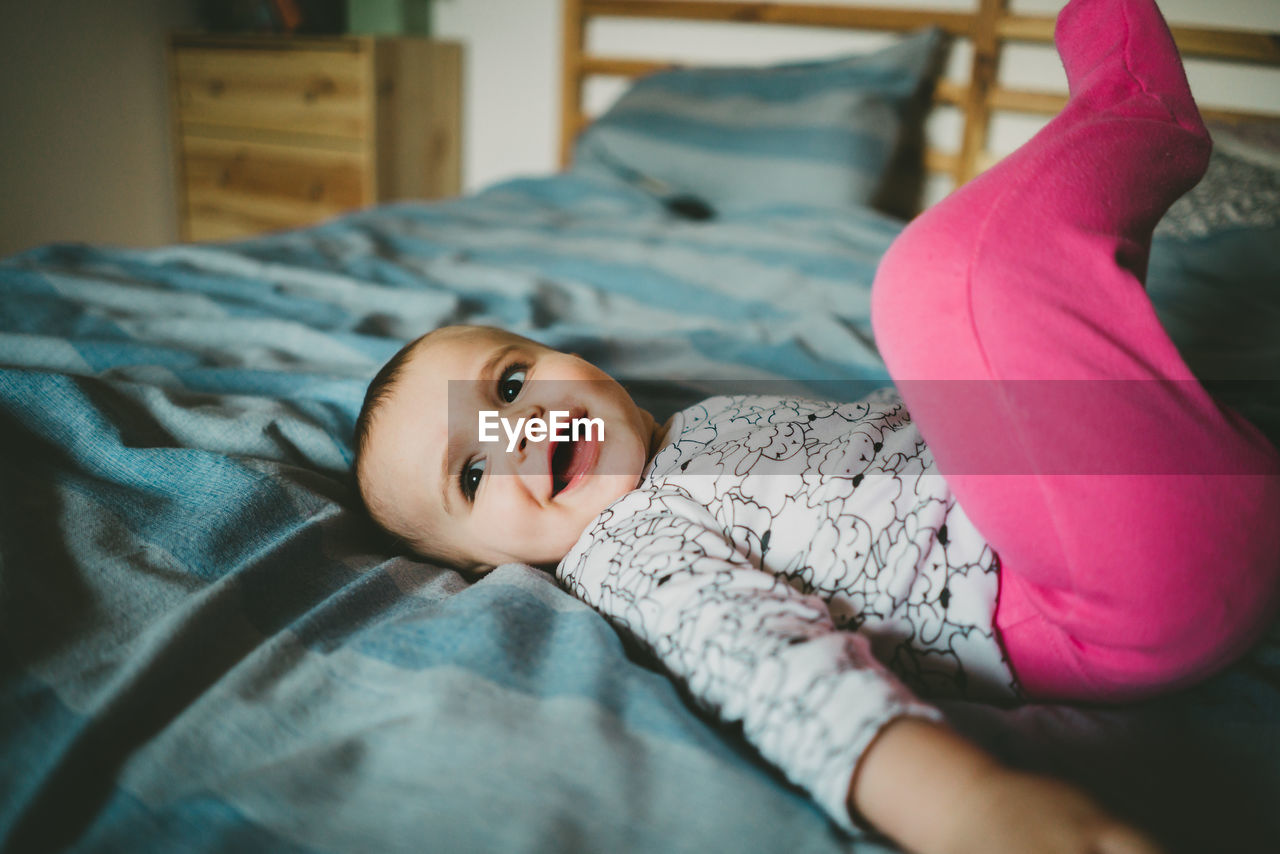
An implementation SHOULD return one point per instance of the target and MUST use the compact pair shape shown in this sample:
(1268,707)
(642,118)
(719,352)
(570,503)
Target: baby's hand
(1016,813)
(936,793)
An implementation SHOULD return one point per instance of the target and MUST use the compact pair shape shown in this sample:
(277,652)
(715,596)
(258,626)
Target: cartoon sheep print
(774,550)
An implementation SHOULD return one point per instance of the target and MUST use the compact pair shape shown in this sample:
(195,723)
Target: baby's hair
(380,389)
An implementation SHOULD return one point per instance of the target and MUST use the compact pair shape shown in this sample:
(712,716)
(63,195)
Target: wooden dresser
(275,132)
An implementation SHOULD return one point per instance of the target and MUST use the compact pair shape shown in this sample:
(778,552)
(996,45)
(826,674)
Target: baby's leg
(1134,517)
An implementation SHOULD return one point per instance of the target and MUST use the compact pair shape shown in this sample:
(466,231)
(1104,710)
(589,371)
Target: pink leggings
(1136,519)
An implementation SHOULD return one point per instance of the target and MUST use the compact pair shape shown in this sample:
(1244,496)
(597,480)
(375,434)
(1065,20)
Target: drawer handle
(316,190)
(224,177)
(319,86)
(216,87)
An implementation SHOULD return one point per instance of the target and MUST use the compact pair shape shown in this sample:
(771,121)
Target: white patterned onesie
(773,551)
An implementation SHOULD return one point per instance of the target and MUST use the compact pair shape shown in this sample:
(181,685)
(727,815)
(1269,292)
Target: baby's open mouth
(570,461)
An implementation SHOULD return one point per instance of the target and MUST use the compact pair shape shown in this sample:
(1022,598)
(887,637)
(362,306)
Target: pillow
(1214,271)
(1240,189)
(811,133)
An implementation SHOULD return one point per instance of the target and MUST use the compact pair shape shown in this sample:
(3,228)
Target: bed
(204,645)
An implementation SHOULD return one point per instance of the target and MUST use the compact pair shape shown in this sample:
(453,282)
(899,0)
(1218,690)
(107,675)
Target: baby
(639,520)
(775,555)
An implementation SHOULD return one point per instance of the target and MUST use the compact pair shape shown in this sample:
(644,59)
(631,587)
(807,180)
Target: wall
(512,97)
(84,139)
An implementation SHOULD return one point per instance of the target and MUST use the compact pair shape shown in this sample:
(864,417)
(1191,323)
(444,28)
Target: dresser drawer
(234,187)
(289,90)
(273,132)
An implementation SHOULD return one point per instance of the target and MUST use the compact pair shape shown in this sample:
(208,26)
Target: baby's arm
(933,792)
(745,644)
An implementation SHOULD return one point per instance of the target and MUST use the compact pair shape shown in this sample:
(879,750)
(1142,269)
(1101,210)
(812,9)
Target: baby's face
(428,477)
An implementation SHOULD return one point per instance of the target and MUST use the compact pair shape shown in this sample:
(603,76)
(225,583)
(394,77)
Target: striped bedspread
(205,646)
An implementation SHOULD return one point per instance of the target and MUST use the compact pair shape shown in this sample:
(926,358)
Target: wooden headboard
(989,27)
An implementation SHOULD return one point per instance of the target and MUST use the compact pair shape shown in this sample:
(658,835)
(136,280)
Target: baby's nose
(528,416)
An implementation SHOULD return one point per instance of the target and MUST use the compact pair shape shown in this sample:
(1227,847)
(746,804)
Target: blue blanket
(204,644)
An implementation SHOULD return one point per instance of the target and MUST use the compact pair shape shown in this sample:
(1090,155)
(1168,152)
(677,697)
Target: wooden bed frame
(989,27)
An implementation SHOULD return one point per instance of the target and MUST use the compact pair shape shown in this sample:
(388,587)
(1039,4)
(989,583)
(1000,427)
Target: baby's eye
(472,472)
(511,383)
